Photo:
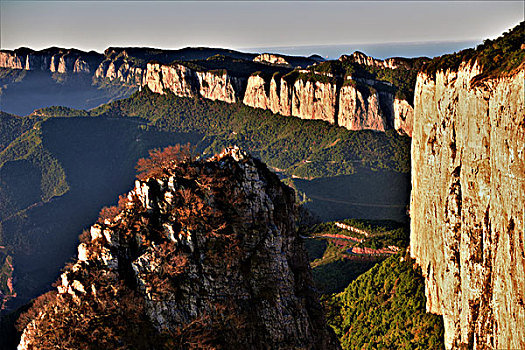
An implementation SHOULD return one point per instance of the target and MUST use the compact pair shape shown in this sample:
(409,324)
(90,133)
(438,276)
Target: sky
(298,27)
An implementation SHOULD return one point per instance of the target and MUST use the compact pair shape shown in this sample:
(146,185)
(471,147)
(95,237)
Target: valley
(350,203)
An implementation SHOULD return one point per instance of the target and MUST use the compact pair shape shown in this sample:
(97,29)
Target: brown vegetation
(160,163)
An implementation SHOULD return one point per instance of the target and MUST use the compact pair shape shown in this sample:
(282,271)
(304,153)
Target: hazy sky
(95,25)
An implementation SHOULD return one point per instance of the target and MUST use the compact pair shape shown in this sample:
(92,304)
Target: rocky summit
(201,253)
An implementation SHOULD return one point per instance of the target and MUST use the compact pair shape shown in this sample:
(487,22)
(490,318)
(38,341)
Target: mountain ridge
(208,252)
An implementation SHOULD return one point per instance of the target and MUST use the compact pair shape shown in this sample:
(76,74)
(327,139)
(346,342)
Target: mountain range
(436,145)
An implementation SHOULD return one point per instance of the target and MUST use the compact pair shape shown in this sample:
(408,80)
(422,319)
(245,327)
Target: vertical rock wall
(358,112)
(301,98)
(467,212)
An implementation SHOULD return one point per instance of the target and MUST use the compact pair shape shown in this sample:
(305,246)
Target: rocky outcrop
(211,252)
(272,59)
(11,60)
(219,85)
(176,78)
(314,100)
(52,60)
(403,117)
(358,111)
(256,95)
(355,104)
(122,71)
(467,213)
(299,98)
(361,58)
(185,82)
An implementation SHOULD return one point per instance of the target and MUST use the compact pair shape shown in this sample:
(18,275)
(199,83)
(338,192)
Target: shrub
(160,163)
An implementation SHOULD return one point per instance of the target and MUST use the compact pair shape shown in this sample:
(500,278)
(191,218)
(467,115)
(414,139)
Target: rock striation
(210,251)
(403,117)
(186,82)
(354,103)
(360,109)
(467,213)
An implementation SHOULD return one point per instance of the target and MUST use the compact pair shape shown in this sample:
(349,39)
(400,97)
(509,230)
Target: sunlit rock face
(467,212)
(403,117)
(210,242)
(272,59)
(358,111)
(52,60)
(329,100)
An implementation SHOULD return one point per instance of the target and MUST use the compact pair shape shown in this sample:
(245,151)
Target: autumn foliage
(160,163)
(110,314)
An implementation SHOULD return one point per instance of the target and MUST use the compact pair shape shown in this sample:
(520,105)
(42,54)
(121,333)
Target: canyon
(467,220)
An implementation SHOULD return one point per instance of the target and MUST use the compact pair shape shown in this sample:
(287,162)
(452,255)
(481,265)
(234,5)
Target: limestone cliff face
(272,59)
(11,60)
(314,100)
(211,250)
(176,78)
(358,112)
(121,70)
(341,104)
(52,60)
(363,59)
(467,212)
(303,98)
(219,85)
(403,117)
(256,96)
(185,82)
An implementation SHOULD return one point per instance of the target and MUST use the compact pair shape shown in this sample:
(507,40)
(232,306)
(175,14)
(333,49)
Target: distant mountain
(365,93)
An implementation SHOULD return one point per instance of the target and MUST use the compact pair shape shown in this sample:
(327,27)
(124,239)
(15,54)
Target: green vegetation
(282,142)
(334,277)
(497,57)
(333,266)
(11,127)
(28,146)
(385,309)
(8,76)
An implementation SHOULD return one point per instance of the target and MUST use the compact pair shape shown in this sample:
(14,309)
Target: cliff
(233,77)
(467,213)
(361,58)
(272,59)
(347,93)
(359,109)
(52,60)
(186,82)
(200,253)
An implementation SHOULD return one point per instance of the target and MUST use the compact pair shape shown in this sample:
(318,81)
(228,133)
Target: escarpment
(360,110)
(52,60)
(200,252)
(185,82)
(352,102)
(467,212)
(232,77)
